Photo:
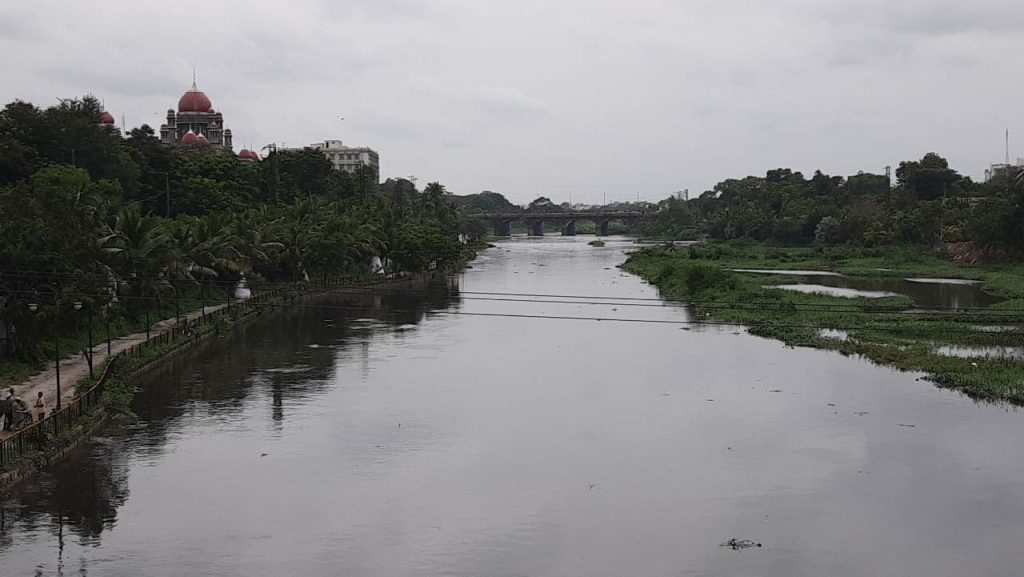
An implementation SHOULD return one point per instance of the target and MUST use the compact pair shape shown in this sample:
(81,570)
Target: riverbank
(889,330)
(88,404)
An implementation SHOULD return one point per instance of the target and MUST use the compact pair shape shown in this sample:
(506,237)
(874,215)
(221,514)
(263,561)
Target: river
(418,434)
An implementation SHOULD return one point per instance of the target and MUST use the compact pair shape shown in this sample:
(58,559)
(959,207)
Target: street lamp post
(88,357)
(33,307)
(106,317)
(177,305)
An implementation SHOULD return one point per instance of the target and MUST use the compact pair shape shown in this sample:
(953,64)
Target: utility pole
(274,176)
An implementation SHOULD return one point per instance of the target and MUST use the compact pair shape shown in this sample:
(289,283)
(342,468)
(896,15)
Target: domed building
(195,122)
(248,155)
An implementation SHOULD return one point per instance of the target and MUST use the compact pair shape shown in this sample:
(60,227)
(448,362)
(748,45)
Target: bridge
(566,221)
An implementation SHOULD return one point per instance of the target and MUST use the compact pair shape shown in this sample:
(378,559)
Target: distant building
(107,121)
(1004,171)
(196,122)
(349,159)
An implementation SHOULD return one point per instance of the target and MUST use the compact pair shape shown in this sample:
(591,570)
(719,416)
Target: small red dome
(202,138)
(247,154)
(106,118)
(194,101)
(190,138)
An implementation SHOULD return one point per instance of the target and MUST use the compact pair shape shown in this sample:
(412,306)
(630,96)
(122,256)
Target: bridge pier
(569,229)
(536,228)
(503,228)
(602,227)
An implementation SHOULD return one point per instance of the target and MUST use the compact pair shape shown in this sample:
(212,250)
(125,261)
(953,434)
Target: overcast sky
(554,97)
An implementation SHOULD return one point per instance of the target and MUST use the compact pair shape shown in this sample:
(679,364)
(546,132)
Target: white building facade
(347,158)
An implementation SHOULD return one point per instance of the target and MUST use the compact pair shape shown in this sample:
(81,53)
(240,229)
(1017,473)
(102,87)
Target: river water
(387,436)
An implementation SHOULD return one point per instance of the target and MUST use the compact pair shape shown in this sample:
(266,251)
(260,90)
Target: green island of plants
(885,330)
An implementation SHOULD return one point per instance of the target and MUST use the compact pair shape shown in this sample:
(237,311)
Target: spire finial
(194,78)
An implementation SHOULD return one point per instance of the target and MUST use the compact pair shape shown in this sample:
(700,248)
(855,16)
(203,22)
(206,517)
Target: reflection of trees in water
(78,496)
(81,494)
(291,352)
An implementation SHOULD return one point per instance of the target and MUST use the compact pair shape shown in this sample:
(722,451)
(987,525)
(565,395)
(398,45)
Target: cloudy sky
(554,97)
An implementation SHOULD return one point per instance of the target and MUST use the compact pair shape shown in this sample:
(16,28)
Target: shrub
(701,277)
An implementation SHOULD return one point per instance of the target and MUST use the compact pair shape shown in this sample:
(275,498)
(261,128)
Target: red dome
(190,138)
(247,154)
(202,138)
(106,118)
(194,101)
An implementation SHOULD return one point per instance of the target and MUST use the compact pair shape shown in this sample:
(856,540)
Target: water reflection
(78,498)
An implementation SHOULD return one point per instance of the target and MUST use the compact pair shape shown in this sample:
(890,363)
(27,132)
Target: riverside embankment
(87,403)
(906,307)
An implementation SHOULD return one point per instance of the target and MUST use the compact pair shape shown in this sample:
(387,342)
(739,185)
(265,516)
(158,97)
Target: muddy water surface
(393,438)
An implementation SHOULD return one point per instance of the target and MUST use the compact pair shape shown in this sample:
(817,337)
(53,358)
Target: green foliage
(485,202)
(929,204)
(89,216)
(701,277)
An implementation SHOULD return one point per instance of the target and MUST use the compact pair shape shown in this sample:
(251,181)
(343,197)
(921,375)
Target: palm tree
(138,249)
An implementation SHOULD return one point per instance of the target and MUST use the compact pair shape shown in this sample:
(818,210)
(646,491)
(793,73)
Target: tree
(542,204)
(828,231)
(928,178)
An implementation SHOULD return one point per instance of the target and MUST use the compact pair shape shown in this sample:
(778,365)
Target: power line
(775,306)
(293,305)
(619,300)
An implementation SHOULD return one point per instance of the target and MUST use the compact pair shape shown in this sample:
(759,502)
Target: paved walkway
(75,368)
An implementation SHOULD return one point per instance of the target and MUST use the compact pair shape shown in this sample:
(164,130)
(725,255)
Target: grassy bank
(880,329)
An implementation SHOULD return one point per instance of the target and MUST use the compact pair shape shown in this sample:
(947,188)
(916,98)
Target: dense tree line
(929,202)
(121,222)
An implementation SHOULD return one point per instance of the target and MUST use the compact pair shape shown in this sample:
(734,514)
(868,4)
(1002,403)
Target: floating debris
(964,352)
(787,272)
(834,334)
(956,281)
(738,544)
(994,328)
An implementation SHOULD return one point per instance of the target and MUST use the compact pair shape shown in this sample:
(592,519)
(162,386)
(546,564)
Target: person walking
(40,407)
(20,413)
(8,412)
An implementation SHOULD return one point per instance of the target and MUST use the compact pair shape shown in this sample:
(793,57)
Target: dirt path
(76,368)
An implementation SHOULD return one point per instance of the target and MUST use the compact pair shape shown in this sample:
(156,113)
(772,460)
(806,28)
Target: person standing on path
(40,407)
(8,412)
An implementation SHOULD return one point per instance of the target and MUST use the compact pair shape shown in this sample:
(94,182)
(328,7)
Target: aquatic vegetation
(888,330)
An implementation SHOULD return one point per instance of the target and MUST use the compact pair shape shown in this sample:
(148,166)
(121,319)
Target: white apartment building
(348,158)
